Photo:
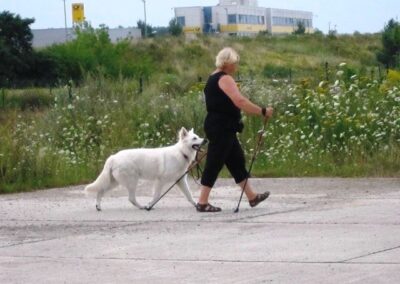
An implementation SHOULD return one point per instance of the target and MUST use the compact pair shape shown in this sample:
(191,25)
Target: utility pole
(145,19)
(65,22)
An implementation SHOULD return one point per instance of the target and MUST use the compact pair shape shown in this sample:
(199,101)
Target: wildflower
(339,73)
(342,64)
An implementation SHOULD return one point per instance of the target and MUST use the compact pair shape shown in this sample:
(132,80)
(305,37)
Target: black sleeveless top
(222,114)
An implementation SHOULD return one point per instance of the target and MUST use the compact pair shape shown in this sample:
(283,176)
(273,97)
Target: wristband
(263,111)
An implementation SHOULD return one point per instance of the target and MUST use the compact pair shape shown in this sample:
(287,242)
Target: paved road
(309,231)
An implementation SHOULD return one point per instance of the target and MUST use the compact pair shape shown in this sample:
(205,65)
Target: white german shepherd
(163,165)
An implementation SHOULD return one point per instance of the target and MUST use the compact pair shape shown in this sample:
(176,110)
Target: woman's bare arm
(228,85)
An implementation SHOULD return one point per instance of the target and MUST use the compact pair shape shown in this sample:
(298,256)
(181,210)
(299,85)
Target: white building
(241,17)
(47,37)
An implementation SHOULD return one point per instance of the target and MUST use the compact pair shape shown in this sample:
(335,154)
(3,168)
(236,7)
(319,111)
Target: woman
(224,104)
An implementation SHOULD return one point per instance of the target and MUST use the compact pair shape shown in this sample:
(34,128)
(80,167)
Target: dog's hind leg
(112,184)
(100,195)
(184,187)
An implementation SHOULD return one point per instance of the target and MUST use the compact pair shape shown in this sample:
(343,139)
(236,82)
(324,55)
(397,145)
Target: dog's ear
(182,133)
(191,131)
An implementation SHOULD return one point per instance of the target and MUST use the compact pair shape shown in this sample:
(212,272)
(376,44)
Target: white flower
(339,73)
(342,64)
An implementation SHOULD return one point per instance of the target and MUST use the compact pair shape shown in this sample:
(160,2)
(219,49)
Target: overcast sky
(365,16)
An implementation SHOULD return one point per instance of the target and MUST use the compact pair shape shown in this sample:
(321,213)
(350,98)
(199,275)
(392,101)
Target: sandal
(207,208)
(258,199)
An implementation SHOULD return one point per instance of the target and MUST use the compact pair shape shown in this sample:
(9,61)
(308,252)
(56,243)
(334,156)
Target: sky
(347,16)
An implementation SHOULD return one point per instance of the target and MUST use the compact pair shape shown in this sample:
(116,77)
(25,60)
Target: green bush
(92,52)
(273,71)
(26,99)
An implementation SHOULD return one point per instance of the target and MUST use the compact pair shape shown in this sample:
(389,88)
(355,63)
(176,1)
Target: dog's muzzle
(197,147)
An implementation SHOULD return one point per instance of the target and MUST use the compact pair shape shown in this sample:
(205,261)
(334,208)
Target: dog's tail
(103,181)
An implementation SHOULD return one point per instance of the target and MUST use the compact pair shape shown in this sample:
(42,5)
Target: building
(47,37)
(241,17)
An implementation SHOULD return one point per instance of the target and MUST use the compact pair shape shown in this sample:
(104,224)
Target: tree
(16,52)
(390,54)
(142,26)
(301,28)
(174,27)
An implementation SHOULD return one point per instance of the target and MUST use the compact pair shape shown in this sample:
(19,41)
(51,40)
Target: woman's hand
(267,112)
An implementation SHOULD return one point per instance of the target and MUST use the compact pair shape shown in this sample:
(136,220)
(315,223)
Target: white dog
(163,165)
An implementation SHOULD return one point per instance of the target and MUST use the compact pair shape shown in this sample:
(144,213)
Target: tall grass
(342,128)
(347,126)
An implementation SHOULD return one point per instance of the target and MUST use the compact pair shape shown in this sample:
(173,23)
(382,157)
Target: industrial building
(47,37)
(241,17)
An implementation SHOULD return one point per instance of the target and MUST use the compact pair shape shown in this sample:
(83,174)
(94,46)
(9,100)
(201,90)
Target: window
(181,21)
(251,19)
(232,19)
(282,21)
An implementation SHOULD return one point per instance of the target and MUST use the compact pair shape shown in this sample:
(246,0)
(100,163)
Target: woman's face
(231,68)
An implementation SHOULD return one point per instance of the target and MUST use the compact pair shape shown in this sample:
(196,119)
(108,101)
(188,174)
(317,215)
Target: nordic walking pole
(195,163)
(258,146)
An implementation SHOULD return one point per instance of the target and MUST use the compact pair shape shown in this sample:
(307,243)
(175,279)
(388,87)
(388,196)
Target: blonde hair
(226,56)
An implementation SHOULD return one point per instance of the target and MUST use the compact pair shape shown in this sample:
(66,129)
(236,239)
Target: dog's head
(190,140)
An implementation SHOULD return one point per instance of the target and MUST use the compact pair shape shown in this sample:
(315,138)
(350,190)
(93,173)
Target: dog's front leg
(184,187)
(132,195)
(156,193)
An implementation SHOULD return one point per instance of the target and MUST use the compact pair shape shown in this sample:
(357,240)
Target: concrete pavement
(310,230)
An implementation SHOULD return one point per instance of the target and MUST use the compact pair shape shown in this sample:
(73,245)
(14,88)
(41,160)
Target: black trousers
(224,149)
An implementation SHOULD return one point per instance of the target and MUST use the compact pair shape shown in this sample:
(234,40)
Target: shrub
(390,54)
(274,71)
